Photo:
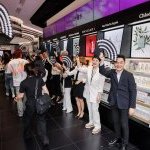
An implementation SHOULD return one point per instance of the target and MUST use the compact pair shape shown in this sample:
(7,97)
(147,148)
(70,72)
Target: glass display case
(141,71)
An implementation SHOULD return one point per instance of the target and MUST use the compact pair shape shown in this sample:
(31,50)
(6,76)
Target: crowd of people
(82,81)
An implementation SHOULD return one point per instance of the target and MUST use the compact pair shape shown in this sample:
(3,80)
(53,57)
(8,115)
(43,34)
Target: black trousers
(121,126)
(29,116)
(56,88)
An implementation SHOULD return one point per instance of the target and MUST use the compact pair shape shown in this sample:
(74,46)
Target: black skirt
(78,90)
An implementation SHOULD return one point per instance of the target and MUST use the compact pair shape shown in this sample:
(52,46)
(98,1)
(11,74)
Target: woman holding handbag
(27,87)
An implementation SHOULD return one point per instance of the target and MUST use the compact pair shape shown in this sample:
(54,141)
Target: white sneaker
(64,109)
(69,111)
(20,115)
(13,96)
(89,125)
(96,130)
(7,94)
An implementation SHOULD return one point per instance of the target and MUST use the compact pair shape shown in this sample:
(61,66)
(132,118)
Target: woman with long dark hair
(27,87)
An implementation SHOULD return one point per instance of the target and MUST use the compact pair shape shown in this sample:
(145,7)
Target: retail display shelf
(143,89)
(136,118)
(147,122)
(143,104)
(141,73)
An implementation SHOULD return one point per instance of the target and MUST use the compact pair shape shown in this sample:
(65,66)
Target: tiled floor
(64,130)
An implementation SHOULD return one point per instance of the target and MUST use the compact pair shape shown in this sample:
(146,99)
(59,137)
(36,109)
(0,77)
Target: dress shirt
(119,75)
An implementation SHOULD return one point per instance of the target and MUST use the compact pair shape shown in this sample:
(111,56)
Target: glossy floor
(64,130)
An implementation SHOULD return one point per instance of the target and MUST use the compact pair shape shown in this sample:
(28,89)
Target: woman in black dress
(78,89)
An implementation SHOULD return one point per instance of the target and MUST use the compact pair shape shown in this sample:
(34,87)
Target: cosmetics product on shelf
(143,112)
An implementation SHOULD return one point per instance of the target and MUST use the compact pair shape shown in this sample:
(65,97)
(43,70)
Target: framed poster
(90,45)
(65,44)
(76,46)
(141,41)
(115,36)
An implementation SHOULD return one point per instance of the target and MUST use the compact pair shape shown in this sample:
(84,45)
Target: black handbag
(43,102)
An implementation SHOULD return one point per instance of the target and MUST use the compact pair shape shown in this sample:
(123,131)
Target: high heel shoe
(81,116)
(77,116)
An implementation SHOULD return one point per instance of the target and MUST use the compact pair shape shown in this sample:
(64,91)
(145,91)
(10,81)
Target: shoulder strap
(36,88)
(77,76)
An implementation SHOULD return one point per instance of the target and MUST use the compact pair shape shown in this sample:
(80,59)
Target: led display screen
(60,25)
(124,4)
(85,14)
(70,21)
(91,11)
(49,31)
(104,8)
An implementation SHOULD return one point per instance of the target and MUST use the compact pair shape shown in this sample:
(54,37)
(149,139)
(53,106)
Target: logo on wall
(68,61)
(5,22)
(108,47)
(76,47)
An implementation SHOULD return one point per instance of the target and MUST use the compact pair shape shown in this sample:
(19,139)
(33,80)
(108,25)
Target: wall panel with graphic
(115,36)
(141,41)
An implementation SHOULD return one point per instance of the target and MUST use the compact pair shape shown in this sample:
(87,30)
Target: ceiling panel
(23,9)
(47,10)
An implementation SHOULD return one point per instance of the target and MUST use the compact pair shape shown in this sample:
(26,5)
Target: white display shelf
(136,116)
(143,104)
(140,73)
(142,89)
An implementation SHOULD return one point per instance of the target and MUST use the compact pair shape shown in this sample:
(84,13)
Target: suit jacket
(95,84)
(122,94)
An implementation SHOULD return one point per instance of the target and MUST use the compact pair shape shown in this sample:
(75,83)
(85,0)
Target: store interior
(125,24)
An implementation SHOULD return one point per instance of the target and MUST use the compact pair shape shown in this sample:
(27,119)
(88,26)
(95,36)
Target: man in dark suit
(122,99)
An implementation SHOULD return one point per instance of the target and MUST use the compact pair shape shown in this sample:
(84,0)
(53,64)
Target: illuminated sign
(5,21)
